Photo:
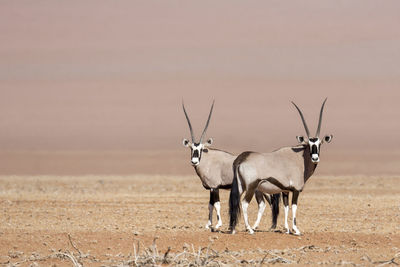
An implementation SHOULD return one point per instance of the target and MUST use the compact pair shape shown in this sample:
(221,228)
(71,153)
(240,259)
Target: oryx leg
(294,209)
(285,199)
(261,207)
(217,206)
(245,203)
(210,209)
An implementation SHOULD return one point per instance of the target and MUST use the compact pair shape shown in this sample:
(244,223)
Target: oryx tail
(234,199)
(275,209)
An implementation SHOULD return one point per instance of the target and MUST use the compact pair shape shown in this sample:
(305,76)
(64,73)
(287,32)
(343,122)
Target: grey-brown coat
(283,170)
(214,168)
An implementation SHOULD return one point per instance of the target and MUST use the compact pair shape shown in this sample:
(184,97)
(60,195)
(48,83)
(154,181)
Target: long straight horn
(190,125)
(302,118)
(320,118)
(208,121)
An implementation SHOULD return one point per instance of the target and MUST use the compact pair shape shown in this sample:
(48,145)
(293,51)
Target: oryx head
(197,148)
(314,142)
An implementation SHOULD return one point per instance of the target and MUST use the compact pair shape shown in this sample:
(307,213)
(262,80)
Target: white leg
(286,217)
(245,204)
(210,214)
(217,206)
(294,209)
(261,208)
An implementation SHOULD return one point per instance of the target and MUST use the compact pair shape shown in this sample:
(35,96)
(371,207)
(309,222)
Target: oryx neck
(309,166)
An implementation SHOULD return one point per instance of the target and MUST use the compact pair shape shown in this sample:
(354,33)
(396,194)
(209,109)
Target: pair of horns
(190,125)
(304,121)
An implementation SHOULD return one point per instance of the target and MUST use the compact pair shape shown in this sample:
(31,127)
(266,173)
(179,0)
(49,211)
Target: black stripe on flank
(275,182)
(206,187)
(226,186)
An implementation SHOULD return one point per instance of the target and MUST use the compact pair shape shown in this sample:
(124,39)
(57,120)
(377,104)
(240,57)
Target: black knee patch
(214,196)
(294,221)
(285,199)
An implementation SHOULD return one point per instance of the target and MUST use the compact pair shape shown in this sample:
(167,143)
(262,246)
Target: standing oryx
(214,167)
(284,170)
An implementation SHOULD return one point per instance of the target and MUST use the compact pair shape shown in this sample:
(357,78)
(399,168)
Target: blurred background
(95,87)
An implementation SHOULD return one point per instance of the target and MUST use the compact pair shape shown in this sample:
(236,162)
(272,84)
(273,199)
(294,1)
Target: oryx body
(284,170)
(214,168)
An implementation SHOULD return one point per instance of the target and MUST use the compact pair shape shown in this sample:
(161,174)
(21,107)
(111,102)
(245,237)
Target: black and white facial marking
(196,150)
(315,145)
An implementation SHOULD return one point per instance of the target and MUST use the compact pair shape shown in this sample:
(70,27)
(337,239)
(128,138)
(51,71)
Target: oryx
(284,170)
(214,168)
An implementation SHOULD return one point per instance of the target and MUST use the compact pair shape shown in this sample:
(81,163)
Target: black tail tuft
(234,201)
(275,209)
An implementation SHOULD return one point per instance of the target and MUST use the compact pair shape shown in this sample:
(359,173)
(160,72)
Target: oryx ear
(209,141)
(328,138)
(185,142)
(300,139)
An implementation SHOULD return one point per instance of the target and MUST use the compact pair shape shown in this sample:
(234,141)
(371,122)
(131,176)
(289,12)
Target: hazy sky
(112,74)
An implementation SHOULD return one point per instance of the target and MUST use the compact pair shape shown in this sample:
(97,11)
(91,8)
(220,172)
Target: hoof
(297,233)
(251,231)
(218,225)
(295,230)
(232,232)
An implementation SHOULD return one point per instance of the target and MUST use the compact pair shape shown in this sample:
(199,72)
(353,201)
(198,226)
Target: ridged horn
(208,121)
(320,118)
(188,121)
(302,118)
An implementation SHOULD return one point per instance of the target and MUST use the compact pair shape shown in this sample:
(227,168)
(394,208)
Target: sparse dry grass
(201,256)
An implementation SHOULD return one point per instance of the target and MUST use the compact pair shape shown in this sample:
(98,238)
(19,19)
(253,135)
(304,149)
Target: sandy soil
(343,219)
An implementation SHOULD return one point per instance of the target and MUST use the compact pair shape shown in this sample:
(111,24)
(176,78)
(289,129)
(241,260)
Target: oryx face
(314,143)
(197,149)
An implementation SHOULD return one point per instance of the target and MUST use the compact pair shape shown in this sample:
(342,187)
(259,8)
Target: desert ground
(109,220)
